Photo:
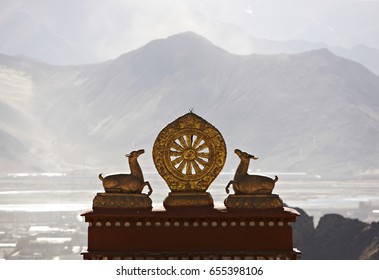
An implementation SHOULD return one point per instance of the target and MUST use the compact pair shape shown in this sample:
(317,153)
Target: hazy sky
(101,30)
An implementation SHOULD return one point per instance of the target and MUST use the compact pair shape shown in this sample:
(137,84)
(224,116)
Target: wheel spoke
(175,153)
(189,168)
(177,146)
(196,166)
(203,155)
(201,147)
(201,161)
(181,166)
(189,139)
(182,142)
(176,161)
(196,142)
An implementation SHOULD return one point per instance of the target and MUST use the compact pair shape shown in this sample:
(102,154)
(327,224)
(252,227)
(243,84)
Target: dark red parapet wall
(190,233)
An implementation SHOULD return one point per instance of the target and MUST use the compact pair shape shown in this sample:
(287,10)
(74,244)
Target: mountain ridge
(313,111)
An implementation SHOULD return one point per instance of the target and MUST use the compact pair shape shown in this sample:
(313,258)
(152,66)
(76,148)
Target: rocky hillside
(336,238)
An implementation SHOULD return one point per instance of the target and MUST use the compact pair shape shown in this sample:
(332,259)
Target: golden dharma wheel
(189,153)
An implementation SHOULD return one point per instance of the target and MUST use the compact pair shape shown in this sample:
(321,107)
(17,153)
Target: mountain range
(311,112)
(71,32)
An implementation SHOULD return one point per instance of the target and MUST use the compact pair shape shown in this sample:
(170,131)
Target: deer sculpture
(127,183)
(244,183)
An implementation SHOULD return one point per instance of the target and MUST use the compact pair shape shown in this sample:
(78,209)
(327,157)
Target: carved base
(253,201)
(188,199)
(122,200)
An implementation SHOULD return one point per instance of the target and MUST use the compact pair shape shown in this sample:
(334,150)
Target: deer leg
(149,187)
(227,187)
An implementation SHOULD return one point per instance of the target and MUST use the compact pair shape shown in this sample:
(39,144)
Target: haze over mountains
(367,56)
(310,112)
(67,32)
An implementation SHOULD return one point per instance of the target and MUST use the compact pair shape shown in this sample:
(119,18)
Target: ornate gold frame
(189,153)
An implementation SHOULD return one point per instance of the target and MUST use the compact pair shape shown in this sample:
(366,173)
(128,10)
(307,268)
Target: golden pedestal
(188,199)
(253,201)
(122,201)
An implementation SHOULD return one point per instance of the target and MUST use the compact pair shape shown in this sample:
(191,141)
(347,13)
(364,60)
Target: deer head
(135,154)
(244,155)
